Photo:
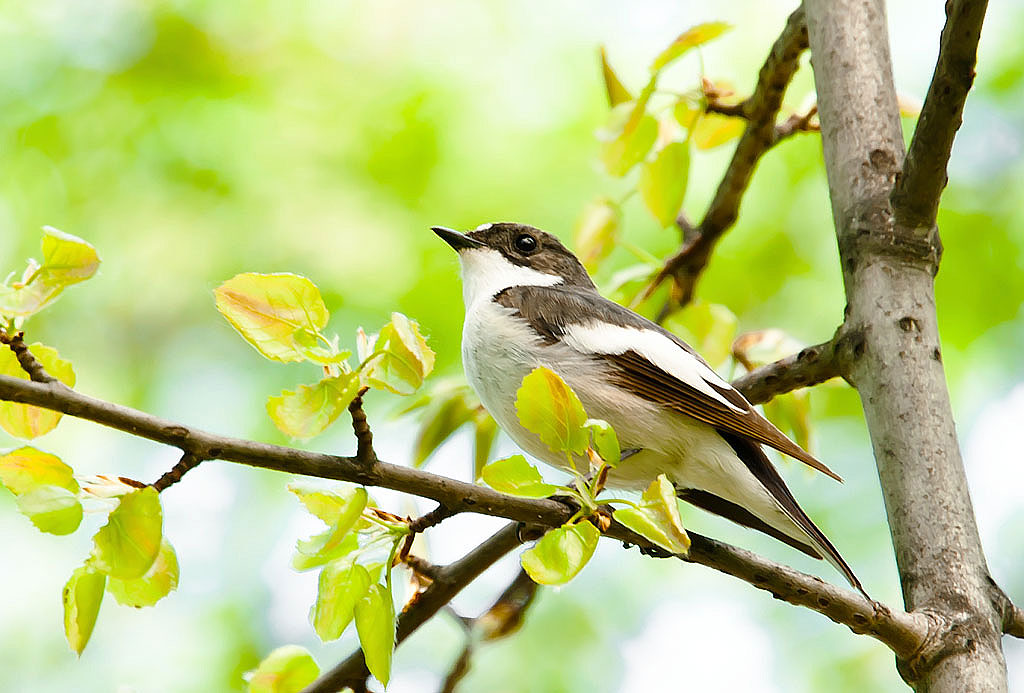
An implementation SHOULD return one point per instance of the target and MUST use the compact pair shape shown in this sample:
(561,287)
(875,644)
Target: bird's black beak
(458,241)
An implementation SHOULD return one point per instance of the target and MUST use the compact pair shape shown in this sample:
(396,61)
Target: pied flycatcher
(529,303)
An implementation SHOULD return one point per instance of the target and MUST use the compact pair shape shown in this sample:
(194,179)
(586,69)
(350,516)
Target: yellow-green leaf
(279,314)
(159,581)
(516,477)
(687,113)
(312,408)
(596,231)
(560,554)
(715,129)
(617,93)
(548,407)
(375,623)
(403,359)
(330,544)
(52,509)
(128,544)
(606,442)
(627,139)
(329,503)
(26,468)
(342,584)
(287,669)
(67,260)
(657,518)
(82,597)
(24,420)
(691,38)
(707,327)
(442,418)
(663,181)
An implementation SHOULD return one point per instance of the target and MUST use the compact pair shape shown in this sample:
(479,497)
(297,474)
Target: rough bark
(896,362)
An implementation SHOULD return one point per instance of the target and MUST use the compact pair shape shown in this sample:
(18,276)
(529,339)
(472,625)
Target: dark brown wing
(635,373)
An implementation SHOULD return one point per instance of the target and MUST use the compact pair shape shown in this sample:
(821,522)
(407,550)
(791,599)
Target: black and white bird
(529,303)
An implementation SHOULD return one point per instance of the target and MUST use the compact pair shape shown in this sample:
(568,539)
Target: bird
(530,302)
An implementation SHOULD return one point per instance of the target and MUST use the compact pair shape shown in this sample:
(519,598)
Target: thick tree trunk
(891,353)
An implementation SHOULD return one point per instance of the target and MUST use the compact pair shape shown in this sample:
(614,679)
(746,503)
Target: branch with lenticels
(761,110)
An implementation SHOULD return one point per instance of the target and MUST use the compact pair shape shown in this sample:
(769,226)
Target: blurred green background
(189,141)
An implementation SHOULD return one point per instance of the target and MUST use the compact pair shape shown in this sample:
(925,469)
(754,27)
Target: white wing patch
(486,271)
(604,338)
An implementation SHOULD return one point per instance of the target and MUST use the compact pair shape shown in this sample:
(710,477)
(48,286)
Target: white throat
(486,271)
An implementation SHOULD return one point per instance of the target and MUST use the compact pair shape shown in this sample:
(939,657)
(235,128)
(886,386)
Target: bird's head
(498,256)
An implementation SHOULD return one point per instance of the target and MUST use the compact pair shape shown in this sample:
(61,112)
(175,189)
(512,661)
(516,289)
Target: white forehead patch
(483,227)
(486,271)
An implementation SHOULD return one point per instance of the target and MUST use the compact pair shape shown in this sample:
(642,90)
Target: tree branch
(1013,621)
(895,629)
(811,366)
(915,197)
(449,581)
(761,110)
(26,360)
(361,428)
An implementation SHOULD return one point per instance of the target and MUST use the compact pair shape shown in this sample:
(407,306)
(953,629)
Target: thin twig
(810,366)
(364,436)
(761,111)
(449,582)
(187,462)
(1013,621)
(915,197)
(26,360)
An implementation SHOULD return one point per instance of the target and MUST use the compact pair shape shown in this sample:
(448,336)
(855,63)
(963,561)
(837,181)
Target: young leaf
(625,142)
(516,477)
(278,314)
(128,544)
(596,230)
(605,441)
(67,260)
(691,38)
(328,503)
(663,181)
(548,407)
(82,597)
(342,584)
(329,545)
(375,623)
(708,327)
(442,418)
(27,468)
(52,509)
(303,562)
(159,581)
(23,420)
(657,518)
(617,93)
(312,408)
(715,129)
(404,359)
(560,554)
(287,669)
(484,433)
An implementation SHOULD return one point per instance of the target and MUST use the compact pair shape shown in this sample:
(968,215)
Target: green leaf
(561,553)
(484,434)
(691,38)
(312,408)
(279,314)
(331,544)
(287,669)
(128,544)
(67,260)
(516,477)
(159,581)
(657,517)
(24,420)
(82,597)
(404,359)
(548,407)
(617,93)
(714,129)
(443,417)
(707,327)
(302,562)
(375,623)
(52,509)
(596,231)
(328,503)
(687,113)
(605,441)
(26,468)
(625,142)
(342,584)
(663,180)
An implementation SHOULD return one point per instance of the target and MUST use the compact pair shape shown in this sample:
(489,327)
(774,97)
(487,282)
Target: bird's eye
(525,243)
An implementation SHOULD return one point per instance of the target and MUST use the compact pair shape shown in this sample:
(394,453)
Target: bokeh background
(192,140)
